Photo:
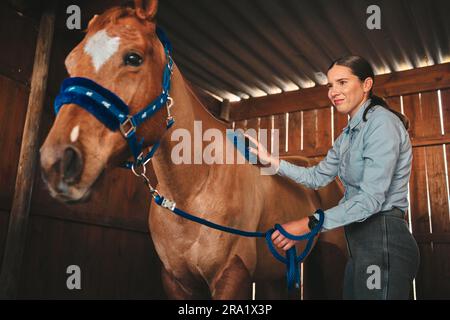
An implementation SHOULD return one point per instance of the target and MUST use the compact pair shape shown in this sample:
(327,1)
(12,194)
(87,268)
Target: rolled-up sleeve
(317,176)
(381,149)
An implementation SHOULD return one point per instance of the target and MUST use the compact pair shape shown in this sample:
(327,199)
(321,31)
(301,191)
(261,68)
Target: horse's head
(122,53)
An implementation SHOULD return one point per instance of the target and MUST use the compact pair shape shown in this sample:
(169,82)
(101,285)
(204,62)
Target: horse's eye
(132,59)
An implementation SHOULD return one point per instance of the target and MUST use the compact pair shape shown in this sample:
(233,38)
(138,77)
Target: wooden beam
(433,141)
(17,228)
(415,143)
(387,85)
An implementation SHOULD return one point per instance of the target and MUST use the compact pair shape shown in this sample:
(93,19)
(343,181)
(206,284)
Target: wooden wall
(308,125)
(107,237)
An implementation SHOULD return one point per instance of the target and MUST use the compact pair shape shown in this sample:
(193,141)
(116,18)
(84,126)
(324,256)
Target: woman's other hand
(296,227)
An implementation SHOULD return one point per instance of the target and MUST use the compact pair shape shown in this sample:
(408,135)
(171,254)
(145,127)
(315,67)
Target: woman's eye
(342,82)
(132,59)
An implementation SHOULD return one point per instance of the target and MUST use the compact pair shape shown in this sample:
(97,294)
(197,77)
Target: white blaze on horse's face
(101,47)
(74,134)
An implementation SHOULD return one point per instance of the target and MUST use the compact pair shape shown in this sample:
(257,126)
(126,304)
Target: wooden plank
(439,205)
(420,220)
(413,110)
(416,143)
(447,153)
(323,131)
(265,129)
(431,141)
(340,122)
(418,193)
(394,84)
(431,123)
(294,132)
(15,242)
(309,128)
(316,131)
(394,103)
(414,80)
(13,106)
(280,125)
(445,99)
(304,99)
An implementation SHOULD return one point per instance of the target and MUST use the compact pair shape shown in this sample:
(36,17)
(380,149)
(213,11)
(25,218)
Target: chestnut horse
(122,53)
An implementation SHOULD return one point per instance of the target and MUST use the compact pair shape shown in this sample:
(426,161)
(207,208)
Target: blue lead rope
(291,260)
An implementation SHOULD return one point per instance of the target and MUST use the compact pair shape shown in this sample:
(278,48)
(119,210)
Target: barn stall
(255,64)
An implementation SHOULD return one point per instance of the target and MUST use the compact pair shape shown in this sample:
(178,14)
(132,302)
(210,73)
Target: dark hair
(362,69)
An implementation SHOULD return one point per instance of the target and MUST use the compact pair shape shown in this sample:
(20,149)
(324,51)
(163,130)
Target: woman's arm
(317,176)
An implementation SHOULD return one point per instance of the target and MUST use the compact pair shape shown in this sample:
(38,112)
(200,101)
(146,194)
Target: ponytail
(377,101)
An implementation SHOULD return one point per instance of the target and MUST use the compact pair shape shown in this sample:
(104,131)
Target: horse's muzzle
(61,169)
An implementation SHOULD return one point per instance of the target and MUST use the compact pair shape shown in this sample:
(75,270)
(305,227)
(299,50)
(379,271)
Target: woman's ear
(146,9)
(367,85)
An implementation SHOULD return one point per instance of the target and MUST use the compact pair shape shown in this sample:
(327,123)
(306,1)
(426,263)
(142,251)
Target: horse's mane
(204,103)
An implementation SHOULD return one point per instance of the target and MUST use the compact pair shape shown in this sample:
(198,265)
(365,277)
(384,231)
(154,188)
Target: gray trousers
(383,258)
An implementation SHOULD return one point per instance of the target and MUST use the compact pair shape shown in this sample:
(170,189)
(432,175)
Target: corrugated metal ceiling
(250,48)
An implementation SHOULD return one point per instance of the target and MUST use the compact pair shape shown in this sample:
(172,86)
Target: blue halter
(110,110)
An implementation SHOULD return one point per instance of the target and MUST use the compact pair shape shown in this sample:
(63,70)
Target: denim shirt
(373,161)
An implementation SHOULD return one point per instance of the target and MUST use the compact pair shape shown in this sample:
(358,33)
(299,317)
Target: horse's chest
(185,245)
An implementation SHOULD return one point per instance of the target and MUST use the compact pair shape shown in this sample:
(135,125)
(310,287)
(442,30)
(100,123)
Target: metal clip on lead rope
(142,174)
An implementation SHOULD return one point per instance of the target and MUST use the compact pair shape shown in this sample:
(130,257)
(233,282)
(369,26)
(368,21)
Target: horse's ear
(92,20)
(146,9)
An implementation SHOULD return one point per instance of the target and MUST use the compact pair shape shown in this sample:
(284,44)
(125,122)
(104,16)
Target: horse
(122,52)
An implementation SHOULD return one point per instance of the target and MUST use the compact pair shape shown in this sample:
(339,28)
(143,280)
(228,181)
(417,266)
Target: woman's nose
(334,93)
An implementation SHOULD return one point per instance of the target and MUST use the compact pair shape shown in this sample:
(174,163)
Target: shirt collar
(356,119)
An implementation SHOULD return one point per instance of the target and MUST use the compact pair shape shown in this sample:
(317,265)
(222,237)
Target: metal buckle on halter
(140,158)
(169,105)
(126,132)
(168,204)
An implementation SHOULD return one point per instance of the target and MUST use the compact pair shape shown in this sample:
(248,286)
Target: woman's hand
(296,227)
(264,157)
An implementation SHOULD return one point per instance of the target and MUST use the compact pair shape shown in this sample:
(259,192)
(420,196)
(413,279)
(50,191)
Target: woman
(372,158)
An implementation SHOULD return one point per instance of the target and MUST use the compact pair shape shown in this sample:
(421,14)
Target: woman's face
(345,91)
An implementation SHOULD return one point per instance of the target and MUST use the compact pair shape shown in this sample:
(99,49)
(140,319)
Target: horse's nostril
(71,165)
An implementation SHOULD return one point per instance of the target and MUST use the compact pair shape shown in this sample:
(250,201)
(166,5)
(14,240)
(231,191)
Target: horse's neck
(183,179)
